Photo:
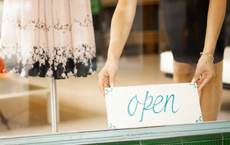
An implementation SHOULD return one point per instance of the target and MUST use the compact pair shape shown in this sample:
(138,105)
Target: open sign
(153,105)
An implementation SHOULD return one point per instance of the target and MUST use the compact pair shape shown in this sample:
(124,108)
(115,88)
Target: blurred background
(146,60)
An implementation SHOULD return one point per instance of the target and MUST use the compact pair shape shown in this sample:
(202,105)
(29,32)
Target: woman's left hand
(204,72)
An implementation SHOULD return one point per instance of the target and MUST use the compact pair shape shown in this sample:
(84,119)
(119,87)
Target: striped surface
(215,133)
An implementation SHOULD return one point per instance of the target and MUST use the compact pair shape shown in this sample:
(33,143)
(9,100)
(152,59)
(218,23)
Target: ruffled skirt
(48,38)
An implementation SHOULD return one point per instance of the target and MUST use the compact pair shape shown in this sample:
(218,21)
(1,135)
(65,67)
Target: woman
(207,72)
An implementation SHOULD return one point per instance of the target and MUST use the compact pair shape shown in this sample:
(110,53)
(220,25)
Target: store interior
(25,103)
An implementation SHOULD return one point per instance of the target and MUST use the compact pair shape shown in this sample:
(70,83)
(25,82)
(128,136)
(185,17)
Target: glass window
(56,48)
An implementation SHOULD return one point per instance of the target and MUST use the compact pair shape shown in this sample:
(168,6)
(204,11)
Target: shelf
(143,2)
(139,37)
(148,38)
(145,26)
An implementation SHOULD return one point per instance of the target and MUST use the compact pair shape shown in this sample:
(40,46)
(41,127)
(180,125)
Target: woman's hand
(107,76)
(204,72)
(120,28)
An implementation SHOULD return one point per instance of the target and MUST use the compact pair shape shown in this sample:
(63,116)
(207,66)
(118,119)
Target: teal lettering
(137,102)
(151,104)
(156,103)
(166,103)
(144,107)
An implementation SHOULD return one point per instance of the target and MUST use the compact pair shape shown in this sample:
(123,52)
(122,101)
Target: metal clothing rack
(54,106)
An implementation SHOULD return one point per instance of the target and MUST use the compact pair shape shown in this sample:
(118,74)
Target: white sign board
(153,105)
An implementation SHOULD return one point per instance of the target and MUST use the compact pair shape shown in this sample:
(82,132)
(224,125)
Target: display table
(11,88)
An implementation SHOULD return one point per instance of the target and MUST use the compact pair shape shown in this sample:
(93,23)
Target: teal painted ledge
(174,133)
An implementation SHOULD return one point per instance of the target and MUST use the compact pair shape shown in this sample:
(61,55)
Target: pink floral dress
(48,38)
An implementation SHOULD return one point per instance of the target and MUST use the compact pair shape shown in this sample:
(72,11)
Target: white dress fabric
(48,38)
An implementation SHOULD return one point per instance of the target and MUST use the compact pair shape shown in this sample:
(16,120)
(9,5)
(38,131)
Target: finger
(203,84)
(101,86)
(196,75)
(106,83)
(103,82)
(112,79)
(198,83)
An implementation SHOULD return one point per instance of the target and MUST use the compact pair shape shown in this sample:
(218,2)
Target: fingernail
(112,85)
(193,80)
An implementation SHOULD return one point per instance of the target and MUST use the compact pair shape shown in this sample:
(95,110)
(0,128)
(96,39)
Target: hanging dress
(48,38)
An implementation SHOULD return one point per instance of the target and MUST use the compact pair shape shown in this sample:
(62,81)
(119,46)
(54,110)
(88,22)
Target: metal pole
(54,106)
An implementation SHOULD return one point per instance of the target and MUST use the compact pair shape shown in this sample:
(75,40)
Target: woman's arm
(120,28)
(205,68)
(216,14)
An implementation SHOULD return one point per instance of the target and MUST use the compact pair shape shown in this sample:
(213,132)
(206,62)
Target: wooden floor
(81,105)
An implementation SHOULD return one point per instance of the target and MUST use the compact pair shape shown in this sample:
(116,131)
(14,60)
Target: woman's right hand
(120,28)
(107,75)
